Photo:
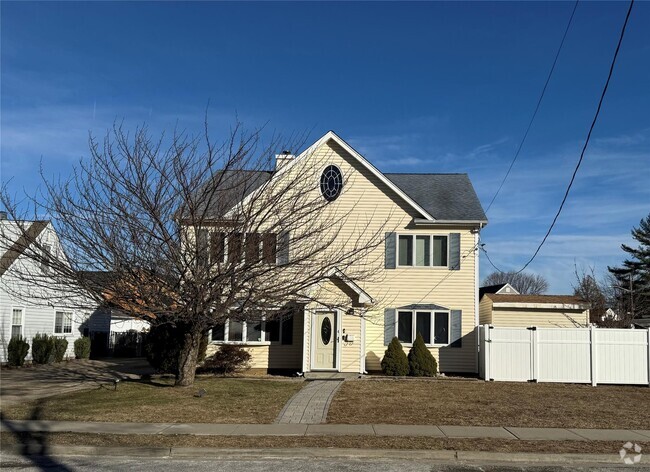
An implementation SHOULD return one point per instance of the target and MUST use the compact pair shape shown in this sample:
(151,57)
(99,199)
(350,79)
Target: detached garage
(544,311)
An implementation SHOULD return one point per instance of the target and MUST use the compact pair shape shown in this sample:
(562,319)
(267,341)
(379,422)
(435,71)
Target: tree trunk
(187,359)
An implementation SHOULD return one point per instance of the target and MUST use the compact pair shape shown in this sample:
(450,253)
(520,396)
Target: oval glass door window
(326,331)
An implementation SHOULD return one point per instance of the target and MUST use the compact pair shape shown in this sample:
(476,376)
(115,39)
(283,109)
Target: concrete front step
(332,375)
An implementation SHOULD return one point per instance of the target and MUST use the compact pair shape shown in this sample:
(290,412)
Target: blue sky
(415,87)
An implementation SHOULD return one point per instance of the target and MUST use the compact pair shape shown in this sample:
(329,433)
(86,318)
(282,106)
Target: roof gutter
(424,222)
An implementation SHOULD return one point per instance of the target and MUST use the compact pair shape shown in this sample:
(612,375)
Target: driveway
(33,382)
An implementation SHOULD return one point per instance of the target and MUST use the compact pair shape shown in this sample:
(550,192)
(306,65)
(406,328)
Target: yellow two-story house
(426,272)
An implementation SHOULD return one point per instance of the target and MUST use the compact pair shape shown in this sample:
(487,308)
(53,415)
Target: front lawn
(476,403)
(225,401)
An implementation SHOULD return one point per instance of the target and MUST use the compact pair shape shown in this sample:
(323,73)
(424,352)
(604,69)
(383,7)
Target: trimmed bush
(229,359)
(82,348)
(163,346)
(42,349)
(395,361)
(60,347)
(17,351)
(421,361)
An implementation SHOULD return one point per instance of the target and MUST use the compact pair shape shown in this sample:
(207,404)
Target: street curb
(541,458)
(59,450)
(329,453)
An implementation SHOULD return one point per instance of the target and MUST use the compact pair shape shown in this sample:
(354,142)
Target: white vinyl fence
(572,355)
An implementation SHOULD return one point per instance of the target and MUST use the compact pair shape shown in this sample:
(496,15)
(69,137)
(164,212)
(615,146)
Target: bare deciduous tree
(590,290)
(524,283)
(190,233)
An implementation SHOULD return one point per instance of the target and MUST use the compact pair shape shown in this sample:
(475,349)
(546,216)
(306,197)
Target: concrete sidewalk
(207,429)
(310,404)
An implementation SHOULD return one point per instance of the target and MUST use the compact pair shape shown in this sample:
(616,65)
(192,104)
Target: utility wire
(584,147)
(539,102)
(490,261)
(452,272)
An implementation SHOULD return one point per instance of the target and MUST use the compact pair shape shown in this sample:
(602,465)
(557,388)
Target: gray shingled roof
(444,196)
(21,244)
(232,187)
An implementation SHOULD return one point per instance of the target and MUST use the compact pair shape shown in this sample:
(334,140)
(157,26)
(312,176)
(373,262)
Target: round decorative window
(331,183)
(326,331)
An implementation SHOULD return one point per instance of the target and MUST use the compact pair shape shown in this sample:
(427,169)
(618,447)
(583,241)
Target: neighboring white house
(610,315)
(27,308)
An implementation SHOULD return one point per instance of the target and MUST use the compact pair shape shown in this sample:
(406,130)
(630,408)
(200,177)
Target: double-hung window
(422,250)
(62,322)
(17,322)
(253,331)
(217,247)
(432,325)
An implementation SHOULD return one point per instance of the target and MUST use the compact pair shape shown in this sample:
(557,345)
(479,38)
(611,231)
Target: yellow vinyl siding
(329,296)
(542,318)
(485,311)
(350,355)
(371,207)
(376,208)
(274,355)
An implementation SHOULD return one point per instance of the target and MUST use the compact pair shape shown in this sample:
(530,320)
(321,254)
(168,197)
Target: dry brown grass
(465,403)
(358,442)
(226,400)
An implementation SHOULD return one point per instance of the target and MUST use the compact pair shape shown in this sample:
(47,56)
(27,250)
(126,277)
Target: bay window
(254,331)
(433,326)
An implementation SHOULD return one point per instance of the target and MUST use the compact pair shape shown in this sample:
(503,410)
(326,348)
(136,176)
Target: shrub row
(418,363)
(45,349)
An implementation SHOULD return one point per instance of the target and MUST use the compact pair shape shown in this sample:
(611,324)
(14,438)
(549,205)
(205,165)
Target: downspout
(362,342)
(477,259)
(305,335)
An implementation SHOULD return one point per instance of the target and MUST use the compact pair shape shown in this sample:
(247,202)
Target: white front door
(325,340)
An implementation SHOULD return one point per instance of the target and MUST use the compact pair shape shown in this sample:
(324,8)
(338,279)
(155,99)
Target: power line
(487,256)
(584,147)
(452,272)
(539,102)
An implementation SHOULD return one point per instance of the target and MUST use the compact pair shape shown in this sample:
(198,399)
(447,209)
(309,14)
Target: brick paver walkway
(309,405)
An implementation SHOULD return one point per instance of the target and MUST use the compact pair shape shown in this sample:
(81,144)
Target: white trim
(423,222)
(244,341)
(476,278)
(540,306)
(22,320)
(476,300)
(305,333)
(362,343)
(339,337)
(414,237)
(64,311)
(432,328)
(512,291)
(334,137)
(364,297)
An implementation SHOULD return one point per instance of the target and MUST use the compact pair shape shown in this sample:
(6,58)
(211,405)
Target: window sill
(423,267)
(242,343)
(427,345)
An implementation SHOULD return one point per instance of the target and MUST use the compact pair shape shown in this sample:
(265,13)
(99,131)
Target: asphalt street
(120,464)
